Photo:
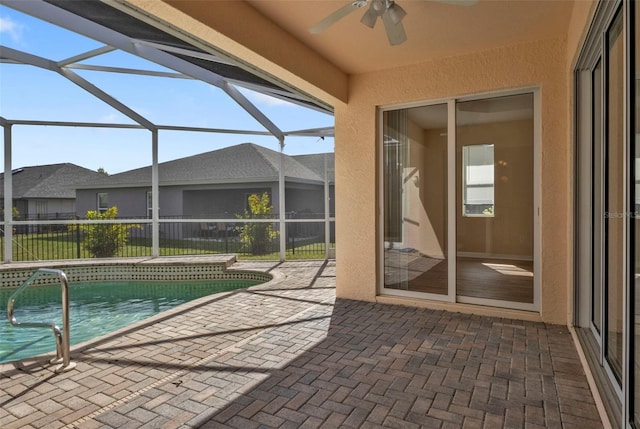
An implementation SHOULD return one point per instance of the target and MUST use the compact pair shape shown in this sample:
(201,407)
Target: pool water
(95,309)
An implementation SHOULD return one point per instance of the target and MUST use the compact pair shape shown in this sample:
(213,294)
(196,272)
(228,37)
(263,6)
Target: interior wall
(509,233)
(436,184)
(425,192)
(539,64)
(413,215)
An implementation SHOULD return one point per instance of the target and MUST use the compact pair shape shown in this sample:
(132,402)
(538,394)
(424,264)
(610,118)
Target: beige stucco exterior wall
(540,64)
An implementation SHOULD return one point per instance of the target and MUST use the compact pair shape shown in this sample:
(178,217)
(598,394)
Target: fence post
(292,234)
(77,239)
(293,244)
(226,238)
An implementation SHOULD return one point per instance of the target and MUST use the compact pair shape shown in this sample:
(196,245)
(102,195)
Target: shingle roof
(315,163)
(242,163)
(48,181)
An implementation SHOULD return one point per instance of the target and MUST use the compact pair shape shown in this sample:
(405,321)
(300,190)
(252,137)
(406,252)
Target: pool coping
(37,362)
(140,269)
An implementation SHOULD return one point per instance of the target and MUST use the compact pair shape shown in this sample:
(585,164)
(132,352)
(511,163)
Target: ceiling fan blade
(369,18)
(395,32)
(336,16)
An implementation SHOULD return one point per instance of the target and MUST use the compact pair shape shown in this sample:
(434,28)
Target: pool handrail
(61,336)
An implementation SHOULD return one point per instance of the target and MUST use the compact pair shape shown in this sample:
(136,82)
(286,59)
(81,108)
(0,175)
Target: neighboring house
(46,192)
(214,184)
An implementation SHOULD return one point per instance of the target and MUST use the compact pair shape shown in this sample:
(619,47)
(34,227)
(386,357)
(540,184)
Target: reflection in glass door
(494,195)
(597,218)
(597,215)
(615,198)
(635,284)
(415,199)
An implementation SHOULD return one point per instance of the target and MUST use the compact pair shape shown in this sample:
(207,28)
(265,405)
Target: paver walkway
(288,355)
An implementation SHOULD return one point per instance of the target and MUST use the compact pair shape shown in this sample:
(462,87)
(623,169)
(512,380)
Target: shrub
(107,239)
(257,236)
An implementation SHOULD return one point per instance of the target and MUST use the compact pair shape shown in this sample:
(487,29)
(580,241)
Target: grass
(67,245)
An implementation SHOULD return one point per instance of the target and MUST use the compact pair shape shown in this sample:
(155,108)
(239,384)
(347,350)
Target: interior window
(478,180)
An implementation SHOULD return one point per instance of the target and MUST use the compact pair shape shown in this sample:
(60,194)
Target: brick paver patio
(288,355)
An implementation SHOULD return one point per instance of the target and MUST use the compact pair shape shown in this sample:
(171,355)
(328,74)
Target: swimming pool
(96,309)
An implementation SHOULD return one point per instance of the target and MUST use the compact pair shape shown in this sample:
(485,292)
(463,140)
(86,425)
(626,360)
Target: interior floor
(498,279)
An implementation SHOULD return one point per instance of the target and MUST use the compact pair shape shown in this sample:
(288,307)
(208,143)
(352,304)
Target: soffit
(434,30)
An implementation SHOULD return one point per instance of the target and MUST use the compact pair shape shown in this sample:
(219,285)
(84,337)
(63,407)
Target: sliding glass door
(415,193)
(494,215)
(615,197)
(607,229)
(635,226)
(457,196)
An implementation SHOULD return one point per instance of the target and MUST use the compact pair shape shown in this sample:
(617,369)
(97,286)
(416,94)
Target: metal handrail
(61,336)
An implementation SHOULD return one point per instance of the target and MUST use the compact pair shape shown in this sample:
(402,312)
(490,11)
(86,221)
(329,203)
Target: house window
(478,180)
(149,205)
(103,202)
(41,208)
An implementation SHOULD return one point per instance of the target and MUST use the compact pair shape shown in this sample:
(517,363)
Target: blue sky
(29,93)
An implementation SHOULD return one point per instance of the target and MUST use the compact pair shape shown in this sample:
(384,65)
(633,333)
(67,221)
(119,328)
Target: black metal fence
(44,241)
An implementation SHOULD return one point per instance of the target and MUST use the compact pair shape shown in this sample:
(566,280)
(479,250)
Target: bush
(104,240)
(257,236)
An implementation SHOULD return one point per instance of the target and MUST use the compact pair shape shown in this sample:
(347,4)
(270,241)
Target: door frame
(451,296)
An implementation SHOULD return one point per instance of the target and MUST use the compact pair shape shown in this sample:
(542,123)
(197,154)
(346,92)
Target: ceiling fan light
(396,13)
(369,18)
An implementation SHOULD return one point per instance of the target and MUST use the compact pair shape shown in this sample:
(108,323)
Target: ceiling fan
(390,13)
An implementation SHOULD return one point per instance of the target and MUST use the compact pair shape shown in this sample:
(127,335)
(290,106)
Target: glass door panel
(635,333)
(598,207)
(615,206)
(494,194)
(415,199)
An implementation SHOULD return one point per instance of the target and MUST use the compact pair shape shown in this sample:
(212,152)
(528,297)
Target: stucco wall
(130,201)
(540,64)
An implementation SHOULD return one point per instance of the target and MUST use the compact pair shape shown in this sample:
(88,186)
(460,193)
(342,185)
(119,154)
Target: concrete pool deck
(288,354)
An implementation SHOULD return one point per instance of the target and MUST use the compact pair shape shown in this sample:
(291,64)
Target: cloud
(11,28)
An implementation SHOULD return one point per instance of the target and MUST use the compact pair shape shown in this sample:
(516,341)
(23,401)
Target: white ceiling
(434,29)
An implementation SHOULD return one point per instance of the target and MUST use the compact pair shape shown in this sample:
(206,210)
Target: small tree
(104,240)
(14,213)
(257,236)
